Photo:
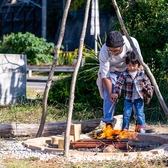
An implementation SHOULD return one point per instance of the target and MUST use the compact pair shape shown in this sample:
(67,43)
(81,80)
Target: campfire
(109,133)
(107,139)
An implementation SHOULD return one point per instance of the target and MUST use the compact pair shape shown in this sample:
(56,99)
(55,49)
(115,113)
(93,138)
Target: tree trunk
(50,77)
(73,82)
(50,129)
(157,91)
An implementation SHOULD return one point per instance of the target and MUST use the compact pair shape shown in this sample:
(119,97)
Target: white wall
(12,78)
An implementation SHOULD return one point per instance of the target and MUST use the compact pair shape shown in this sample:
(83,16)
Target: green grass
(33,94)
(29,113)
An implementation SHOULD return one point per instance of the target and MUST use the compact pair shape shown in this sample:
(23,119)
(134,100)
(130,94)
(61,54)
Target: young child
(132,80)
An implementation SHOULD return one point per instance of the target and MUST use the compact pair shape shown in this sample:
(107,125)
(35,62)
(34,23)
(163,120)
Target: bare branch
(73,82)
(50,77)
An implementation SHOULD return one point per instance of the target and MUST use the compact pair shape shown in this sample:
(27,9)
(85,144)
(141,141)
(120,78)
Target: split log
(50,129)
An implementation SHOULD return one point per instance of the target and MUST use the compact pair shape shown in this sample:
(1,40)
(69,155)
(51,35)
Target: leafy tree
(147,22)
(104,6)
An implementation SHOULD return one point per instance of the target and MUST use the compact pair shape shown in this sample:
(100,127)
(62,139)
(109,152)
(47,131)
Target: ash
(100,149)
(137,146)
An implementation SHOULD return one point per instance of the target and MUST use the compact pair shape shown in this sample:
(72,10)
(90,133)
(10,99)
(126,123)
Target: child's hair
(131,58)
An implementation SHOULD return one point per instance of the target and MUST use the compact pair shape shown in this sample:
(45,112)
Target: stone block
(75,130)
(118,125)
(109,149)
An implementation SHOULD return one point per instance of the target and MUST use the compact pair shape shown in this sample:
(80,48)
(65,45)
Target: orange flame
(109,133)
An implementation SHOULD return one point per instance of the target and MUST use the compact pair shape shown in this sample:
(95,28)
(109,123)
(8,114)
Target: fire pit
(108,136)
(146,145)
(85,143)
(115,140)
(107,142)
(119,146)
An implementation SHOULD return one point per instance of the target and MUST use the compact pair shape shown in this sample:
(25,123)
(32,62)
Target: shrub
(86,87)
(38,50)
(66,58)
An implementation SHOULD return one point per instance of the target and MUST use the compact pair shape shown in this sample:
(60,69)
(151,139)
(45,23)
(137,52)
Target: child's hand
(114,97)
(141,67)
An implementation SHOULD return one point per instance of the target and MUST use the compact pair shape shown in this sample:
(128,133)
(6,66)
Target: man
(112,62)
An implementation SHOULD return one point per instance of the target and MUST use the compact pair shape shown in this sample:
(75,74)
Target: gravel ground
(13,148)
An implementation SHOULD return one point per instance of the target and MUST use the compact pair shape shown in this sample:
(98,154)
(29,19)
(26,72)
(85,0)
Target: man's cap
(114,39)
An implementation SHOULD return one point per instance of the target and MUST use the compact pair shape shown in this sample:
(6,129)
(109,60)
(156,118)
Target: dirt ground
(159,129)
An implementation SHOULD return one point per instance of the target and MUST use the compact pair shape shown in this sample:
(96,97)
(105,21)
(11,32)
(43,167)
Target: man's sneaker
(151,130)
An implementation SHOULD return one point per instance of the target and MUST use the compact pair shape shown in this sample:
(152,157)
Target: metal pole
(44,18)
(97,26)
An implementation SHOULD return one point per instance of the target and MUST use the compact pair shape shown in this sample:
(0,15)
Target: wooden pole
(73,82)
(157,91)
(51,74)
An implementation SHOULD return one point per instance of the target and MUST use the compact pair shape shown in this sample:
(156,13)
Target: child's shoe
(142,130)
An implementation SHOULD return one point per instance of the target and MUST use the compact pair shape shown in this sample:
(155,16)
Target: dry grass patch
(61,163)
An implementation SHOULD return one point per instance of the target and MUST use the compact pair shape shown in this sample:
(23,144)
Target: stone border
(41,144)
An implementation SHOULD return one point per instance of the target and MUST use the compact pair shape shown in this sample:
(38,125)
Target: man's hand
(114,97)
